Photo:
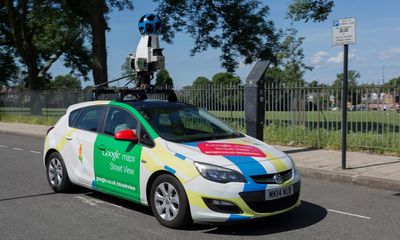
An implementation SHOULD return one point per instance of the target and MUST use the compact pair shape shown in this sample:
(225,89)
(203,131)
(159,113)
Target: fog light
(222,206)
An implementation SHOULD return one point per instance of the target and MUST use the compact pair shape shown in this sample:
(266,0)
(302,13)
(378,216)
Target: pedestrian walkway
(371,170)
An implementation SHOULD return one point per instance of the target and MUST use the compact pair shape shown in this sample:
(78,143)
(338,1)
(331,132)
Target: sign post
(344,33)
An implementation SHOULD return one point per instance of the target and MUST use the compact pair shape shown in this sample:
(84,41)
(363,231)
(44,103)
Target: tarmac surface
(30,210)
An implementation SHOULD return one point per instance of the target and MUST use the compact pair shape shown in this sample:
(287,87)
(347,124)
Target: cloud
(318,58)
(390,54)
(339,57)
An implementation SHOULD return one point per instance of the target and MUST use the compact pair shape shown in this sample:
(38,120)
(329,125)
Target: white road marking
(349,214)
(85,200)
(18,149)
(35,152)
(94,202)
(3,146)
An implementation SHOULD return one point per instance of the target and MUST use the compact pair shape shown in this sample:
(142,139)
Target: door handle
(69,138)
(101,146)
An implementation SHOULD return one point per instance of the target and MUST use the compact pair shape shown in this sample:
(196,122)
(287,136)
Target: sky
(376,53)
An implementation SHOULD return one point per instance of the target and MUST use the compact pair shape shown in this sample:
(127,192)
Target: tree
(241,29)
(352,79)
(39,32)
(128,71)
(225,79)
(8,68)
(201,82)
(353,96)
(163,79)
(94,12)
(394,82)
(290,68)
(65,82)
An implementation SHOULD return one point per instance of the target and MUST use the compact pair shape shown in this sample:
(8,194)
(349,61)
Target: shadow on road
(27,196)
(304,216)
(120,202)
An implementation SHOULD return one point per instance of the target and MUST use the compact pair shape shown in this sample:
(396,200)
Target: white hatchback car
(183,162)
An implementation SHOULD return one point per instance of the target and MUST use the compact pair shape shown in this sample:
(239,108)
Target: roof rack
(139,92)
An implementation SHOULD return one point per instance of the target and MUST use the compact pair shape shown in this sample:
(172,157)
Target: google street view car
(183,162)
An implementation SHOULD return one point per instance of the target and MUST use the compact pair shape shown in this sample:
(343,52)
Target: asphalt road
(30,210)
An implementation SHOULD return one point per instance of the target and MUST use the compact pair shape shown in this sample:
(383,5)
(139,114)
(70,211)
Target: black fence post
(254,100)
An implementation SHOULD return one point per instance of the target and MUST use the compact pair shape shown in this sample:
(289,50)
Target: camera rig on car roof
(145,62)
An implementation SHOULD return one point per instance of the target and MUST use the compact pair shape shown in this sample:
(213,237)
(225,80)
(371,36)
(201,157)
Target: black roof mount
(140,94)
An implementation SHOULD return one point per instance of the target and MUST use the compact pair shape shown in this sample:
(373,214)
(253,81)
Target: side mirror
(126,135)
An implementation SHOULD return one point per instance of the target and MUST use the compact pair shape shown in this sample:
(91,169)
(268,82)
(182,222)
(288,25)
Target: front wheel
(57,175)
(169,202)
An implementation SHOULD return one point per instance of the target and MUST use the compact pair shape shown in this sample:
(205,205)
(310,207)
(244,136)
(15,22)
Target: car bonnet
(250,156)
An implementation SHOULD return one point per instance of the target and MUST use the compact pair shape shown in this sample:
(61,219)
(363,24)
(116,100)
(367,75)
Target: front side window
(89,118)
(119,119)
(188,124)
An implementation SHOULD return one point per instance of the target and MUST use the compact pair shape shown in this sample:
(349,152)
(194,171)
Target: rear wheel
(169,202)
(57,175)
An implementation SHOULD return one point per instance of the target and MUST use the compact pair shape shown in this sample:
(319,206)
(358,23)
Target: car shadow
(307,214)
(119,202)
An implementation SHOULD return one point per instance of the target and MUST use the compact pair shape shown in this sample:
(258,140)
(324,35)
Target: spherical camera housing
(150,24)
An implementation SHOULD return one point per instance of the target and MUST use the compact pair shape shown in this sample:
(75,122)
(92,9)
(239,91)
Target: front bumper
(252,204)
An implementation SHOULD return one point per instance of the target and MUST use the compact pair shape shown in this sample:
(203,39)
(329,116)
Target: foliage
(126,70)
(307,10)
(64,82)
(290,68)
(94,13)
(225,79)
(241,29)
(201,82)
(8,68)
(393,82)
(40,32)
(163,79)
(351,77)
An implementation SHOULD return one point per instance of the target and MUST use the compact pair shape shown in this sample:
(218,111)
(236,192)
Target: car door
(81,142)
(117,162)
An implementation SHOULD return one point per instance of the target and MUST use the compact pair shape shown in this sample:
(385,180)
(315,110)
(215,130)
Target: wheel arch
(152,178)
(46,157)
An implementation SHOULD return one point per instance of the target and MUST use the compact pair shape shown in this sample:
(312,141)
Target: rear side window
(89,118)
(72,117)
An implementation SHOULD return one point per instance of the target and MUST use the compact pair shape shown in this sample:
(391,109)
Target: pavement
(29,209)
(370,170)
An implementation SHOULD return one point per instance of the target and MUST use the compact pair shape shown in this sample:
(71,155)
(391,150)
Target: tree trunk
(99,52)
(25,48)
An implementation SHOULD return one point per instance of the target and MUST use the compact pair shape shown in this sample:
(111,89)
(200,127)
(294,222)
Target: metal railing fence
(295,114)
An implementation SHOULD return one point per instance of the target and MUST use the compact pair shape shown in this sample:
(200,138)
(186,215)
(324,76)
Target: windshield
(188,125)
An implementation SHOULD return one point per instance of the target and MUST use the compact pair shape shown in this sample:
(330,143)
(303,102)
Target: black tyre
(169,202)
(57,175)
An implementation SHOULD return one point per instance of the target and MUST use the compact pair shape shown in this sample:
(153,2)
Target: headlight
(295,172)
(219,174)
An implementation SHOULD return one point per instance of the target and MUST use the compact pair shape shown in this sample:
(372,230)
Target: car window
(119,119)
(72,117)
(89,118)
(187,124)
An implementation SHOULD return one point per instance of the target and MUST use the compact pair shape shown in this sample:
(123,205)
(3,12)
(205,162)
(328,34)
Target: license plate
(276,193)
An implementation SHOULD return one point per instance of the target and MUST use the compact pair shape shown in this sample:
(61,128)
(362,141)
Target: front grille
(268,178)
(256,200)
